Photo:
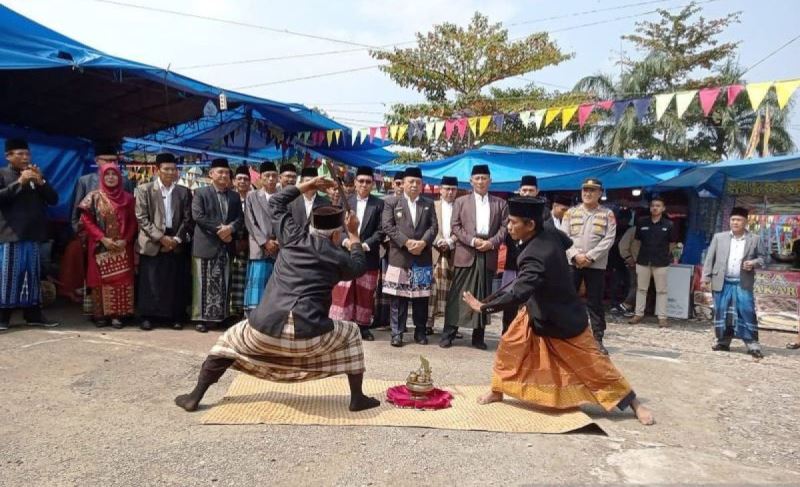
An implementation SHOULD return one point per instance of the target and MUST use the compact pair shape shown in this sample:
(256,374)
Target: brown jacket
(463,229)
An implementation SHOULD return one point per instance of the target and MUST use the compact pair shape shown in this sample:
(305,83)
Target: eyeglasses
(364,181)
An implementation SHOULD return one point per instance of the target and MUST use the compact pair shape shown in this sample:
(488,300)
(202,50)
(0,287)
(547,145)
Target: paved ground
(83,406)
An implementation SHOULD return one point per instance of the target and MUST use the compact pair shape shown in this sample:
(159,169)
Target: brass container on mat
(419,382)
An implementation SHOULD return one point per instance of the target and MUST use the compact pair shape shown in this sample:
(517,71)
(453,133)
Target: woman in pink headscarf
(108,216)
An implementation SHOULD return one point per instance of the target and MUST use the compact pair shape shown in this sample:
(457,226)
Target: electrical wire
(783,46)
(313,76)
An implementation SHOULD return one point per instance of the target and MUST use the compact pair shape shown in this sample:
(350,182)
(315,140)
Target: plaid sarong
(290,359)
(19,274)
(353,300)
(258,274)
(735,313)
(415,282)
(238,282)
(210,279)
(442,280)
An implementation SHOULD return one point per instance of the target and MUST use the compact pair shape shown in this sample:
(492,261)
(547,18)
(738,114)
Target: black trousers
(620,282)
(449,334)
(595,288)
(30,314)
(399,315)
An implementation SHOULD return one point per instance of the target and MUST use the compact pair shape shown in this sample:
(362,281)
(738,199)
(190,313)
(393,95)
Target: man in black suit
(548,356)
(353,300)
(217,213)
(301,207)
(410,222)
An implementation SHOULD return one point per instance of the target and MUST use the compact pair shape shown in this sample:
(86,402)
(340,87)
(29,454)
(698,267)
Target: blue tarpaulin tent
(555,170)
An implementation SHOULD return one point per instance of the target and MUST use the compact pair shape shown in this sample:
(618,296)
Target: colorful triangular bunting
(662,103)
(784,91)
(483,124)
(551,115)
(757,91)
(707,98)
(566,115)
(733,92)
(682,101)
(583,113)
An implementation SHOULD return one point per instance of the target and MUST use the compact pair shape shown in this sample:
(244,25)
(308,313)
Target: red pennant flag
(732,92)
(707,98)
(384,131)
(372,131)
(449,125)
(605,104)
(461,125)
(583,113)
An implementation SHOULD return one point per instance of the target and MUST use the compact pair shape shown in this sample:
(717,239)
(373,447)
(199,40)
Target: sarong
(353,300)
(556,373)
(19,274)
(210,278)
(163,286)
(258,274)
(442,281)
(290,359)
(735,313)
(238,282)
(112,300)
(415,282)
(476,280)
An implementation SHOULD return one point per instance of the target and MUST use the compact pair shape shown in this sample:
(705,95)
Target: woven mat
(324,402)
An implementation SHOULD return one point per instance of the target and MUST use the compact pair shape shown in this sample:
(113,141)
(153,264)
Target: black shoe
(42,321)
(602,348)
(101,323)
(429,330)
(146,325)
(756,353)
(4,326)
(480,345)
(201,327)
(718,347)
(397,341)
(117,324)
(421,339)
(177,326)
(446,343)
(459,336)
(367,335)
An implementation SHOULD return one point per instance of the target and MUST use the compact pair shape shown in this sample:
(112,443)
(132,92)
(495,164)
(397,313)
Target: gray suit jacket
(151,216)
(398,226)
(207,216)
(464,229)
(259,223)
(716,263)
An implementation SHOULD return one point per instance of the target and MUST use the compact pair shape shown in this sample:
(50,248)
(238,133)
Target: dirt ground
(87,406)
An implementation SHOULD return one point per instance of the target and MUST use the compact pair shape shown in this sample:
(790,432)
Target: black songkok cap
(739,211)
(399,176)
(348,178)
(243,169)
(309,172)
(16,144)
(288,168)
(105,147)
(365,171)
(526,207)
(327,217)
(267,166)
(413,172)
(220,162)
(480,169)
(563,200)
(165,157)
(529,181)
(449,181)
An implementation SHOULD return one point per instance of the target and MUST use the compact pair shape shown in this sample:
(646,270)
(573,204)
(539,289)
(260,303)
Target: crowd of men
(208,257)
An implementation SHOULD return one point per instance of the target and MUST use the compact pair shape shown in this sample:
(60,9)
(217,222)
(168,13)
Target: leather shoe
(429,330)
(146,325)
(177,326)
(718,347)
(602,348)
(397,341)
(480,345)
(756,353)
(635,320)
(201,327)
(446,343)
(367,335)
(422,340)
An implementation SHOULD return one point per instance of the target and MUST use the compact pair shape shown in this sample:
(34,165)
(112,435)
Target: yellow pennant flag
(393,131)
(336,135)
(401,131)
(473,125)
(784,90)
(551,115)
(566,115)
(662,103)
(437,129)
(757,91)
(329,136)
(682,101)
(483,124)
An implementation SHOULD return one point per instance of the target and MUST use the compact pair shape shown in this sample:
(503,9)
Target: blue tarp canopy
(554,170)
(713,176)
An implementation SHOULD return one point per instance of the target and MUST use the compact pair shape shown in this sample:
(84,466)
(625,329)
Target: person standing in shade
(730,271)
(479,224)
(354,300)
(349,184)
(263,241)
(105,152)
(242,186)
(217,213)
(560,206)
(592,228)
(410,222)
(164,214)
(301,207)
(24,198)
(381,317)
(397,182)
(288,176)
(656,236)
(443,248)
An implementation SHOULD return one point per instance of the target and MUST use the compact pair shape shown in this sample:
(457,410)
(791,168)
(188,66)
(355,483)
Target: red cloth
(71,274)
(400,396)
(354,300)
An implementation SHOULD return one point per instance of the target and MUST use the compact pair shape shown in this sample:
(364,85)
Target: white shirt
(556,221)
(309,204)
(736,255)
(447,219)
(166,195)
(412,206)
(482,214)
(361,207)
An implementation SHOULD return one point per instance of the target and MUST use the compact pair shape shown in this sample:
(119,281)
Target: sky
(277,31)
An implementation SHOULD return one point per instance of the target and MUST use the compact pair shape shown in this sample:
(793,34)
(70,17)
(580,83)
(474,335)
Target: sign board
(777,303)
(679,290)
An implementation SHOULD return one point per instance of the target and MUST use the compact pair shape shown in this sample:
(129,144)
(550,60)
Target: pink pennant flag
(449,125)
(732,92)
(605,104)
(384,131)
(461,125)
(583,113)
(372,131)
(707,98)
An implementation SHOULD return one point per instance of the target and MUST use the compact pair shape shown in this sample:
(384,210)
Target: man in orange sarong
(548,356)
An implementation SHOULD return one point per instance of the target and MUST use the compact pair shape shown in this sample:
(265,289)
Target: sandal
(793,345)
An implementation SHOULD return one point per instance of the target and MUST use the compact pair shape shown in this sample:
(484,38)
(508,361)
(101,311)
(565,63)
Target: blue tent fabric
(554,170)
(713,176)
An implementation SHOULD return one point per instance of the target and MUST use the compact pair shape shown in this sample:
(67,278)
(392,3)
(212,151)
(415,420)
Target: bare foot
(490,397)
(643,413)
(187,402)
(362,402)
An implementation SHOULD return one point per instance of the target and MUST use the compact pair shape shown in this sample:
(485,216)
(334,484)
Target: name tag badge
(663,229)
(645,228)
(399,214)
